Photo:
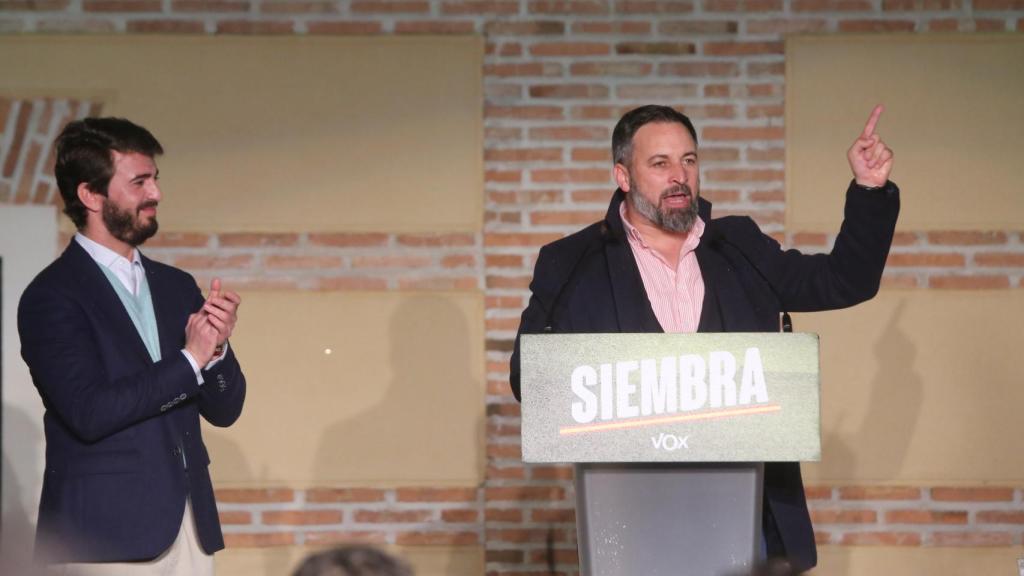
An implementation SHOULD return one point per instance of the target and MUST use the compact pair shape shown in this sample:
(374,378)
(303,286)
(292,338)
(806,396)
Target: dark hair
(622,136)
(356,560)
(84,155)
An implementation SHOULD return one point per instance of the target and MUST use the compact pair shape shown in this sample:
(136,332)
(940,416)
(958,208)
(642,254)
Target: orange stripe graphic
(727,413)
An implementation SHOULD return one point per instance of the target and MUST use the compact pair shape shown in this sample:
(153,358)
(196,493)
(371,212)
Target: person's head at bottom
(356,560)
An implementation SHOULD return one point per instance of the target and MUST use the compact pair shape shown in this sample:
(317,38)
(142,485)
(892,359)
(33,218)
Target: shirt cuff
(195,366)
(217,360)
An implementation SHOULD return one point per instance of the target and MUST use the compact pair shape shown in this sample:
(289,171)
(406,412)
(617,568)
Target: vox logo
(670,442)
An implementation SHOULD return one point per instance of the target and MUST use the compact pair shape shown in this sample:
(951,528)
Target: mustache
(147,204)
(679,189)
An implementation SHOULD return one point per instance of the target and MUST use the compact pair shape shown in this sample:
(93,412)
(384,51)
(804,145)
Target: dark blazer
(123,444)
(589,283)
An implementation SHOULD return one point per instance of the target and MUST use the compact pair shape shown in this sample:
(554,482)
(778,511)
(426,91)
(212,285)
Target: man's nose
(153,192)
(679,175)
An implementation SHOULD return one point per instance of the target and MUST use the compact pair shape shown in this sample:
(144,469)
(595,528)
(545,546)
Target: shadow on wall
(18,533)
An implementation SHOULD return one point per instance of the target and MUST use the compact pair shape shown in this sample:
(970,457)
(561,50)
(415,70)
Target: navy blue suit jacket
(123,443)
(589,282)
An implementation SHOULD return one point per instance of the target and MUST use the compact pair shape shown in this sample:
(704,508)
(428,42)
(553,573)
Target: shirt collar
(105,256)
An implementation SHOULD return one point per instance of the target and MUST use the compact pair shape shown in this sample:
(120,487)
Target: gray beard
(671,220)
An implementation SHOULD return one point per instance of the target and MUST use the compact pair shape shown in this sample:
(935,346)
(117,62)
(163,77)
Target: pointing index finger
(869,128)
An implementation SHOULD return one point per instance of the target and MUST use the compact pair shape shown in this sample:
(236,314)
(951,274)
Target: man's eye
(660,164)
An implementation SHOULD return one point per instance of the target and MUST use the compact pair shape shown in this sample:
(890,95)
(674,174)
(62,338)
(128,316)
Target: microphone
(718,237)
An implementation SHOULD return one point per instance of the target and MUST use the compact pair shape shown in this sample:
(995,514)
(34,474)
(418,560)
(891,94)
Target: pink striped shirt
(676,291)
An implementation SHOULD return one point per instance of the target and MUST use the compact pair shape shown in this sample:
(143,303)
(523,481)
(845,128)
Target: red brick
(879,493)
(556,133)
(551,473)
(458,261)
(986,494)
(1000,517)
(904,239)
(570,49)
(122,5)
(258,539)
(943,25)
(166,26)
(840,516)
(343,283)
(503,261)
(926,516)
(498,91)
(969,282)
(742,5)
(435,27)
(857,26)
(956,238)
(698,69)
(719,195)
(832,6)
(345,537)
(519,69)
(557,556)
(298,7)
(568,91)
(818,492)
(210,5)
(557,515)
(822,537)
(503,515)
(524,493)
(341,27)
(744,175)
(565,218)
(786,26)
(899,282)
(292,262)
(503,556)
(301,517)
(518,536)
(34,5)
(254,495)
(655,48)
(927,259)
(249,239)
(389,516)
(761,154)
(436,494)
(472,7)
(503,176)
(524,28)
(999,259)
(324,495)
(761,69)
(18,139)
(881,539)
(610,68)
(503,451)
(743,48)
(657,92)
(439,283)
(603,155)
(755,111)
(763,196)
(196,261)
(347,240)
(690,27)
(918,5)
(654,6)
(390,6)
(973,539)
(570,175)
(437,538)
(260,282)
(980,5)
(235,517)
(627,28)
(254,27)
(570,7)
(523,155)
(741,133)
(811,239)
(459,516)
(600,195)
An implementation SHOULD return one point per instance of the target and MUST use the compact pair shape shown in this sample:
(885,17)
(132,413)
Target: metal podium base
(668,519)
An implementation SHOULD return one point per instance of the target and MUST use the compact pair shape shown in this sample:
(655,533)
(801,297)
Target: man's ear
(92,201)
(622,177)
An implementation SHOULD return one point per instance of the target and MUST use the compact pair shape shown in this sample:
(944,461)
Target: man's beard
(125,226)
(670,219)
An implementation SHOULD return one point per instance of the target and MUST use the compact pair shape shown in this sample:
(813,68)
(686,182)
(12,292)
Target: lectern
(668,434)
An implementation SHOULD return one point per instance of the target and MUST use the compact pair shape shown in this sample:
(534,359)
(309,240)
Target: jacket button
(182,397)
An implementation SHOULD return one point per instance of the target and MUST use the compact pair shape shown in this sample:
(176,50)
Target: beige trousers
(185,557)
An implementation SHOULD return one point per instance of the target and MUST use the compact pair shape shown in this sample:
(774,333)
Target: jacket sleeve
(850,274)
(59,345)
(544,289)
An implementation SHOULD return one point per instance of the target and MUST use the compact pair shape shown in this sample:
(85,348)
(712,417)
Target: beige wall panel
(887,561)
(281,561)
(953,118)
(397,401)
(286,134)
(921,387)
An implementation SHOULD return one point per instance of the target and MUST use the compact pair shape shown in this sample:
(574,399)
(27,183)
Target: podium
(668,434)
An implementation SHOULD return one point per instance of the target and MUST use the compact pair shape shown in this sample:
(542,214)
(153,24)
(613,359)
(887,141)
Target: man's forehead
(133,163)
(664,138)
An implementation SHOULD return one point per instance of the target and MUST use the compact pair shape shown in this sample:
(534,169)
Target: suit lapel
(711,272)
(633,310)
(97,290)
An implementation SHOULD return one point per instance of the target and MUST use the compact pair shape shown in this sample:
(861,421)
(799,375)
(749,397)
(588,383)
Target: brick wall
(557,74)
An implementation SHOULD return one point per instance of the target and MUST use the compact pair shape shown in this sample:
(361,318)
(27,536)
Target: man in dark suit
(126,355)
(658,262)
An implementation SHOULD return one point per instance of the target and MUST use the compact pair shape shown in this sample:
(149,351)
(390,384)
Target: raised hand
(870,159)
(221,310)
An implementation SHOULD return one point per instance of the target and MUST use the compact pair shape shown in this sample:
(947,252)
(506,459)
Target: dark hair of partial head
(353,561)
(84,155)
(626,128)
